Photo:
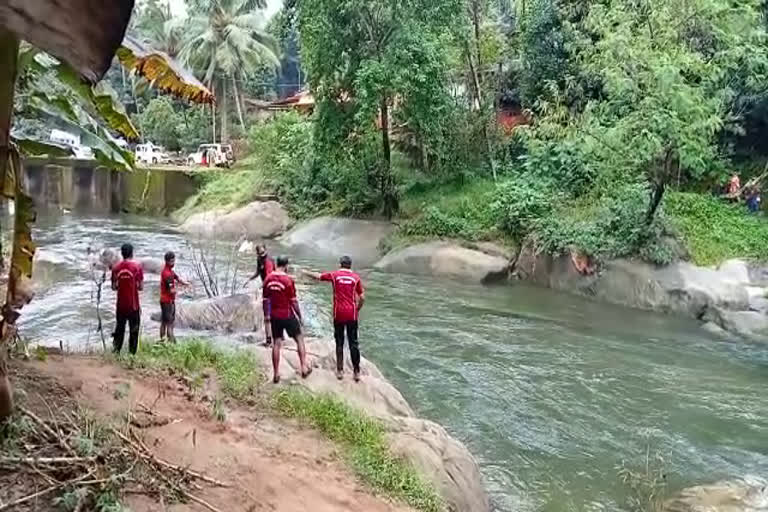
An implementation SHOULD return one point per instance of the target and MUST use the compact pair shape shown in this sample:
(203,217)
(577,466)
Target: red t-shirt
(265,267)
(346,287)
(168,280)
(127,279)
(279,295)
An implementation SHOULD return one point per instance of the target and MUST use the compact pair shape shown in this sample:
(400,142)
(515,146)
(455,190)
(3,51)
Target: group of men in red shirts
(282,314)
(128,281)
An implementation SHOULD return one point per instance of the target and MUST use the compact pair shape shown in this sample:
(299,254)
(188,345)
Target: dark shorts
(168,312)
(290,326)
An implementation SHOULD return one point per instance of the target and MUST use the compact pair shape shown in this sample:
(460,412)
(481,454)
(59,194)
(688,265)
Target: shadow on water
(550,392)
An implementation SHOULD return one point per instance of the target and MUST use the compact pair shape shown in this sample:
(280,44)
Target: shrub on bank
(715,231)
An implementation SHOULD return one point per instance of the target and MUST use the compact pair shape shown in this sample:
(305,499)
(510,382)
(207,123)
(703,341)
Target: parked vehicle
(218,155)
(150,154)
(72,141)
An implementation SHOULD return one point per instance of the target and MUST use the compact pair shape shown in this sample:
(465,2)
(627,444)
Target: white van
(150,154)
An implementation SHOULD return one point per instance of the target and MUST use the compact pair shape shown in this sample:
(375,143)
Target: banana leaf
(35,147)
(100,96)
(162,71)
(83,33)
(76,120)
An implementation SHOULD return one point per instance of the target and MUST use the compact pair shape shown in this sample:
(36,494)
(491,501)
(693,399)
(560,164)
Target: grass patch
(452,210)
(228,188)
(239,374)
(363,441)
(714,230)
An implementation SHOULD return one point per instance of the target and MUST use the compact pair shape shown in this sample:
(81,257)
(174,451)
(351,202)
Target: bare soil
(272,464)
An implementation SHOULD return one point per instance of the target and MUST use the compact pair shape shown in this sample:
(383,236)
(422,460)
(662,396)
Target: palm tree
(227,40)
(160,30)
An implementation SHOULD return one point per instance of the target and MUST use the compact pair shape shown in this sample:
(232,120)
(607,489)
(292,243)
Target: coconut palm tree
(160,30)
(227,41)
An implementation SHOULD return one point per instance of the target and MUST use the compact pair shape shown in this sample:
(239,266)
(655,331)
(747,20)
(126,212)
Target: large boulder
(232,313)
(203,224)
(746,495)
(334,237)
(680,288)
(747,324)
(444,259)
(442,460)
(152,265)
(254,221)
(439,458)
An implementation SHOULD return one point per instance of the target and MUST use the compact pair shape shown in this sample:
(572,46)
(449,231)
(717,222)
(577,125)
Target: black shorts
(289,325)
(168,312)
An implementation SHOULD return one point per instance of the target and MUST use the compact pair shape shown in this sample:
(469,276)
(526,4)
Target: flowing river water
(551,393)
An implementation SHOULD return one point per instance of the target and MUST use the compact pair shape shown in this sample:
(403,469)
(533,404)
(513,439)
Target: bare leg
(163,330)
(276,359)
(302,350)
(171,333)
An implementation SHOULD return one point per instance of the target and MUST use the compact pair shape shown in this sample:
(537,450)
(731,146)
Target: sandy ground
(272,464)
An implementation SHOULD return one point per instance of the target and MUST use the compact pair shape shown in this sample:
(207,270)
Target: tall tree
(227,40)
(363,59)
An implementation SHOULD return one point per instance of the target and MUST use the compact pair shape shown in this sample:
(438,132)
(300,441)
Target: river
(551,393)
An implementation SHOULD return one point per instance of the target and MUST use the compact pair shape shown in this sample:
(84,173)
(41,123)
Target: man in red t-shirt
(168,280)
(264,266)
(282,314)
(127,281)
(348,298)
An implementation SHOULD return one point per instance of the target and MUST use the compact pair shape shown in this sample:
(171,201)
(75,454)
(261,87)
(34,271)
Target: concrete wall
(84,186)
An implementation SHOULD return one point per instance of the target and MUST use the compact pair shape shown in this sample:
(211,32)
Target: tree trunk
(224,113)
(387,182)
(656,196)
(213,113)
(480,106)
(9,55)
(238,104)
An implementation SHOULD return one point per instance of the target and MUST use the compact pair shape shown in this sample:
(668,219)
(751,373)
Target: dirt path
(272,464)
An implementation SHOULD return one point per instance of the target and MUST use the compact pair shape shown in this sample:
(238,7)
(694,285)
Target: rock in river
(746,495)
(253,221)
(444,259)
(233,313)
(334,237)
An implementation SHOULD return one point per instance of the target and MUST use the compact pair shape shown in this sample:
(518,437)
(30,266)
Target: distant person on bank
(168,281)
(283,315)
(127,281)
(348,299)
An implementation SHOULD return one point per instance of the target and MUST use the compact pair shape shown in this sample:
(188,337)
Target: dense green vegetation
(623,106)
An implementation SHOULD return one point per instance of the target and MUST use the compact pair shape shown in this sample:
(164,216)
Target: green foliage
(238,372)
(715,231)
(519,203)
(159,122)
(363,439)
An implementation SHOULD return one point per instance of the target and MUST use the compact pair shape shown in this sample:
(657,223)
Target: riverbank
(206,410)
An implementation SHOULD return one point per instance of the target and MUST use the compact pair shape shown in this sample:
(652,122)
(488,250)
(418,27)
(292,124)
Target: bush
(519,203)
(611,226)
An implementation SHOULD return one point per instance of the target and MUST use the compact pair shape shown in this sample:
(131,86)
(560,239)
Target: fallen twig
(49,431)
(143,452)
(45,491)
(46,460)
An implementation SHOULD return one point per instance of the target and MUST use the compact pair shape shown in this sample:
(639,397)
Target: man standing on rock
(348,299)
(168,280)
(127,281)
(282,314)
(264,266)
